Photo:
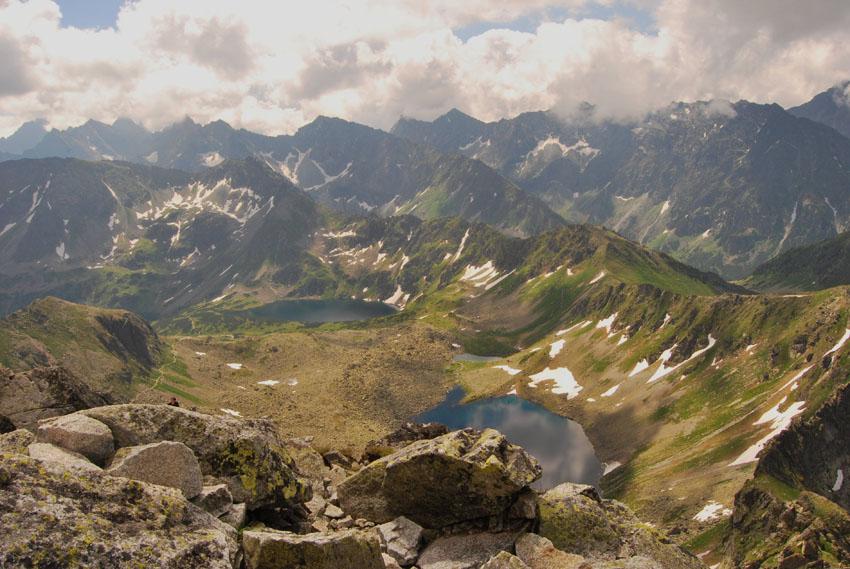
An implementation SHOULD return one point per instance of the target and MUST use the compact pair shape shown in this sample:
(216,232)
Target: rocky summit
(159,486)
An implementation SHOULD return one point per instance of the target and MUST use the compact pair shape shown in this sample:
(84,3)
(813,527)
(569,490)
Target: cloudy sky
(274,66)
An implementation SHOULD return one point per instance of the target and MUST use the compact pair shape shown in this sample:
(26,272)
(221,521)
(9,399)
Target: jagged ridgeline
(143,238)
(343,165)
(720,186)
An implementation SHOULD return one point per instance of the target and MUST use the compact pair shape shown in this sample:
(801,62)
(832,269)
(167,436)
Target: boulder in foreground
(246,454)
(348,549)
(460,476)
(576,520)
(166,463)
(79,433)
(51,516)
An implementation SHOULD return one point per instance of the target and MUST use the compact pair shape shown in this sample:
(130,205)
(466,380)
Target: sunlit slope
(112,351)
(451,266)
(680,390)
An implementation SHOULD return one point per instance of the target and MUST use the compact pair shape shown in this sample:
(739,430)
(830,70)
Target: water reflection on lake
(558,444)
(325,310)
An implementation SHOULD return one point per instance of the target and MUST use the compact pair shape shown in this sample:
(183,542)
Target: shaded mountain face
(140,237)
(158,241)
(832,108)
(343,165)
(27,136)
(720,187)
(811,267)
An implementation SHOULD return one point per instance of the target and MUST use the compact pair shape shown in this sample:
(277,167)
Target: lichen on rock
(246,454)
(460,476)
(348,549)
(576,520)
(51,516)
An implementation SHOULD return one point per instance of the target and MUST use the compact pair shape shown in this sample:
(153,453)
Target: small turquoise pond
(558,444)
(324,310)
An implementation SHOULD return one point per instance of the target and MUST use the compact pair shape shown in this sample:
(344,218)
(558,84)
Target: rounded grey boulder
(166,463)
(79,433)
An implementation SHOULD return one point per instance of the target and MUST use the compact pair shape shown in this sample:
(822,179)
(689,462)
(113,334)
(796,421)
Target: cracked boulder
(460,476)
(348,549)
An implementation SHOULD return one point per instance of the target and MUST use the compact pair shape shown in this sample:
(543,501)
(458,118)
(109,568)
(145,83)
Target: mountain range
(723,187)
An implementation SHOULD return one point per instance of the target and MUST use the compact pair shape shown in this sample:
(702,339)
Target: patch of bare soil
(343,387)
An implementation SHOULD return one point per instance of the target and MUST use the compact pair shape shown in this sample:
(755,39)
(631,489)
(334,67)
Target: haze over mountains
(679,378)
(721,187)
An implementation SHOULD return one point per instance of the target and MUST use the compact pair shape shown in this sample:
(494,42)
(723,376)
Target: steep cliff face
(794,513)
(813,455)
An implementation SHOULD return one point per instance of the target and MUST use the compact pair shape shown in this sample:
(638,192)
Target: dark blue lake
(558,444)
(323,310)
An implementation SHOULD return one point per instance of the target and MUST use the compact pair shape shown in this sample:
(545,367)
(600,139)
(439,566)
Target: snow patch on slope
(565,383)
(664,370)
(460,248)
(556,348)
(840,343)
(711,511)
(779,422)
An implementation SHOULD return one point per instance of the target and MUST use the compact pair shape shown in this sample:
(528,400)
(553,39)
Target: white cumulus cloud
(272,67)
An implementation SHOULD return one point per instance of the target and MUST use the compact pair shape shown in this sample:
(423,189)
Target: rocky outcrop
(111,351)
(245,454)
(795,512)
(460,476)
(52,516)
(81,434)
(130,337)
(27,397)
(813,455)
(401,539)
(469,486)
(349,549)
(166,463)
(576,520)
(774,526)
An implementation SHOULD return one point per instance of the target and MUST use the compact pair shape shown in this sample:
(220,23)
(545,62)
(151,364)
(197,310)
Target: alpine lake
(559,444)
(320,310)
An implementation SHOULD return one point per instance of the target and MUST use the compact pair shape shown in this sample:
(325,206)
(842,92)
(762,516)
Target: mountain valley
(692,389)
